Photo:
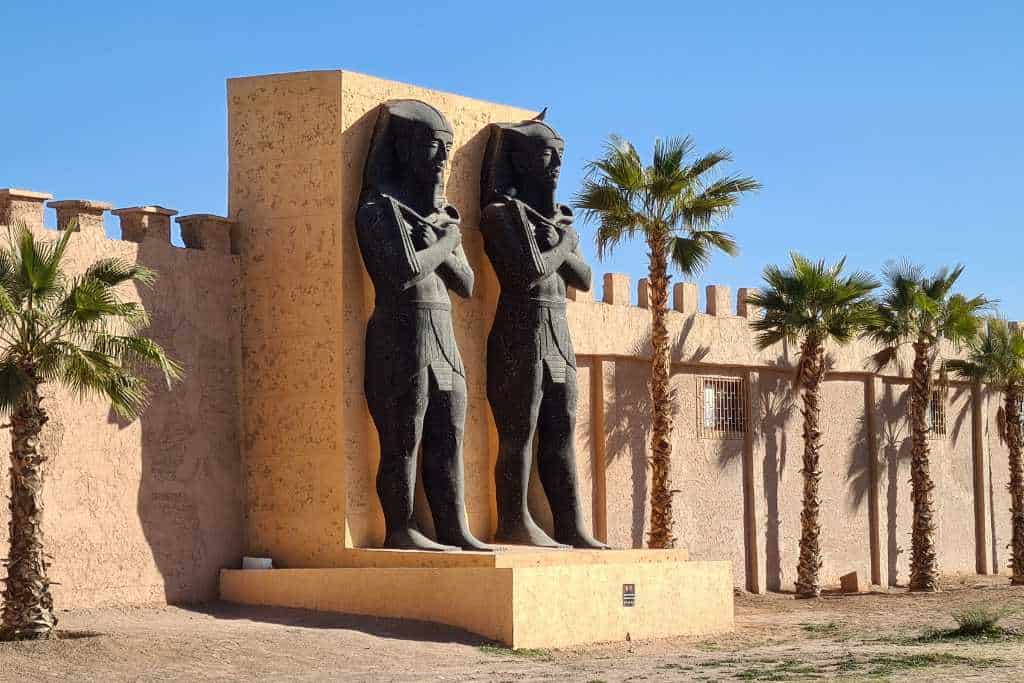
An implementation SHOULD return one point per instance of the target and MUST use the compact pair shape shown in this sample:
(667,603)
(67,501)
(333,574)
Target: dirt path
(863,637)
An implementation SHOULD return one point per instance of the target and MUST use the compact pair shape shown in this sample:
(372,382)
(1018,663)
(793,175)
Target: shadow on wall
(894,451)
(189,499)
(858,469)
(627,424)
(956,396)
(1000,430)
(776,403)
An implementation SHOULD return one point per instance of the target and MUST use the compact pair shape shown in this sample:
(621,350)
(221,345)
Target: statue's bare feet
(412,539)
(469,542)
(584,542)
(578,537)
(527,533)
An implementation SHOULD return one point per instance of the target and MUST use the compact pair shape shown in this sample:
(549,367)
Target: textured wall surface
(285,189)
(952,471)
(844,502)
(148,510)
(708,473)
(997,478)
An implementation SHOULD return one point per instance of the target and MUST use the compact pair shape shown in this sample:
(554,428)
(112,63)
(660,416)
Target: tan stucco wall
(996,478)
(148,510)
(845,526)
(953,472)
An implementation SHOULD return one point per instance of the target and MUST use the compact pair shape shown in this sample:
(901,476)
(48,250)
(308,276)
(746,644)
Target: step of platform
(527,599)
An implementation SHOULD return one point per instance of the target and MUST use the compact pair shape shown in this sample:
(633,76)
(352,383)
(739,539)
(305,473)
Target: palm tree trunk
(28,606)
(660,534)
(812,372)
(924,572)
(1016,485)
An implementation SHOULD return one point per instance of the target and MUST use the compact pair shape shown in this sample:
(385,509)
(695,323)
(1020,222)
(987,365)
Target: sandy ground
(858,637)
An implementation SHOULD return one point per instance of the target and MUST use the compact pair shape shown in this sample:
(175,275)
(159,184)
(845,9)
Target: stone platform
(521,598)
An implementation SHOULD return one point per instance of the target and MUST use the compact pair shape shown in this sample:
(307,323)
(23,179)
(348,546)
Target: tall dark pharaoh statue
(414,380)
(531,367)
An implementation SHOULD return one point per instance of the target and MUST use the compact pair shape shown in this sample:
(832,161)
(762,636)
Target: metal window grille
(722,404)
(937,415)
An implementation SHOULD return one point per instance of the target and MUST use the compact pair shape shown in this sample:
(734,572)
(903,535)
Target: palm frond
(706,208)
(813,300)
(136,352)
(37,263)
(114,271)
(699,168)
(13,384)
(620,165)
(995,355)
(87,301)
(79,334)
(692,254)
(89,373)
(920,307)
(669,198)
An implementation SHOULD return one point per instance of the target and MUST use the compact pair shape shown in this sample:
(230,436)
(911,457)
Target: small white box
(257,563)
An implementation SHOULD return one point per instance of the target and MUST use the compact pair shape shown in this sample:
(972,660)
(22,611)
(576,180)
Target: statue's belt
(531,303)
(412,305)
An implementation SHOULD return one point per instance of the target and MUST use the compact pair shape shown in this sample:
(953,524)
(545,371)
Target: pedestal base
(523,599)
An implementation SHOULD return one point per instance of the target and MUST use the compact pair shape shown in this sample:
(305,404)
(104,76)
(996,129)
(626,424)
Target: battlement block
(22,206)
(81,215)
(643,293)
(139,223)
(743,309)
(684,297)
(209,232)
(718,300)
(616,289)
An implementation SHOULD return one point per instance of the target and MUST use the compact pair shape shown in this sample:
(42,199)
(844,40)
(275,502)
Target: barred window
(937,414)
(723,407)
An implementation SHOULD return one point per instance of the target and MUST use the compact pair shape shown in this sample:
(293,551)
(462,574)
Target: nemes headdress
(397,120)
(498,177)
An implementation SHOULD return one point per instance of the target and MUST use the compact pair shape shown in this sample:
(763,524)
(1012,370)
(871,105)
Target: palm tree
(812,304)
(996,357)
(76,332)
(922,311)
(673,204)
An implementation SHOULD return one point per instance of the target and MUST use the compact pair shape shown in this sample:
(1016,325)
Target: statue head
(409,152)
(521,159)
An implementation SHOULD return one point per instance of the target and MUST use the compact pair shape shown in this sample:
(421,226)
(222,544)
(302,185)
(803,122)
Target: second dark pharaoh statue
(415,383)
(531,367)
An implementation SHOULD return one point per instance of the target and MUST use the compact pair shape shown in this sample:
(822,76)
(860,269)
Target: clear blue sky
(878,132)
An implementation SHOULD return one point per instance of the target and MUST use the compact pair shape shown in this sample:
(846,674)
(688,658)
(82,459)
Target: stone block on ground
(850,583)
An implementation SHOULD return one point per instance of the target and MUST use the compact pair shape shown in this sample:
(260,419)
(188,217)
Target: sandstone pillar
(145,223)
(84,215)
(209,232)
(22,206)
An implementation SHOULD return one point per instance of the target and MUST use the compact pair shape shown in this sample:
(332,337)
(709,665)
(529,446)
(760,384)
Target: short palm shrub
(71,331)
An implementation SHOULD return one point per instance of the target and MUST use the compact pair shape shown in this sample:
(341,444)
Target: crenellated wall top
(718,334)
(140,224)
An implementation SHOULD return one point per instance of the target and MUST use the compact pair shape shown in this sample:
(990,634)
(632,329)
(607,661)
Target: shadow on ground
(400,629)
